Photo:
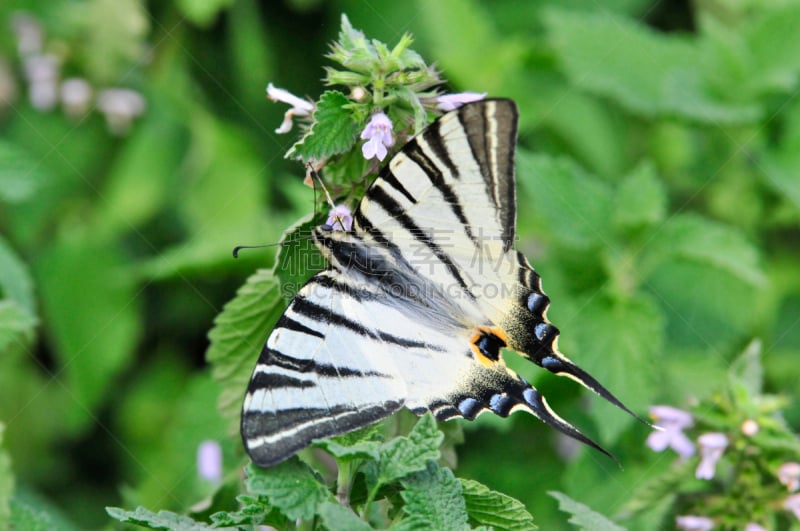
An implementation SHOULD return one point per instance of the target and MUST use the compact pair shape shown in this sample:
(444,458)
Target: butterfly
(417,302)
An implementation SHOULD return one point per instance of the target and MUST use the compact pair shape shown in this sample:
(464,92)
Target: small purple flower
(753,526)
(120,106)
(378,136)
(711,447)
(792,503)
(451,102)
(694,523)
(76,94)
(340,218)
(789,475)
(300,107)
(672,421)
(42,73)
(209,461)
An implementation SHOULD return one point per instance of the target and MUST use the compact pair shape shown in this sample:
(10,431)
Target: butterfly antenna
(312,171)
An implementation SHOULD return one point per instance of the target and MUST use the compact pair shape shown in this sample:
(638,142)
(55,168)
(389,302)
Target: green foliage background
(659,198)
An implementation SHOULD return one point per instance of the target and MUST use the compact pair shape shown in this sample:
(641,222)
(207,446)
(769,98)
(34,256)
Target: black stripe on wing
(415,153)
(379,196)
(491,130)
(292,429)
(305,307)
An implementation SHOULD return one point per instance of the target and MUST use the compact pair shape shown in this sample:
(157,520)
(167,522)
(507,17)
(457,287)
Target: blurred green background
(659,198)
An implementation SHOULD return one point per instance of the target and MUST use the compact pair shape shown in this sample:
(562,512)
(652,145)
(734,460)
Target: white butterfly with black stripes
(417,301)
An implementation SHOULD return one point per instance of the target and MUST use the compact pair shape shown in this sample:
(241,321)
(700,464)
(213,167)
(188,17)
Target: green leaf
(253,511)
(618,342)
(15,280)
(747,371)
(494,509)
(332,132)
(656,488)
(92,318)
(336,516)
(574,205)
(640,199)
(646,72)
(202,12)
(238,336)
(360,450)
(20,174)
(291,486)
(24,516)
(160,520)
(708,242)
(298,258)
(433,500)
(144,171)
(6,482)
(404,455)
(583,516)
(16,325)
(468,47)
(773,41)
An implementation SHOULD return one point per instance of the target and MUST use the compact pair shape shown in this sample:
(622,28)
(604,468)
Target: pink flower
(451,102)
(300,107)
(672,421)
(340,218)
(789,475)
(711,447)
(378,136)
(752,526)
(209,461)
(694,523)
(792,503)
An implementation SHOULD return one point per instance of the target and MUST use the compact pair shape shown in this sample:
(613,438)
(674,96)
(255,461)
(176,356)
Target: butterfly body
(417,302)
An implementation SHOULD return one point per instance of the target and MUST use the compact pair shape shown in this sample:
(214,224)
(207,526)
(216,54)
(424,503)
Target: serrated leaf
(644,71)
(494,509)
(583,516)
(298,258)
(20,174)
(360,450)
(404,455)
(238,336)
(433,500)
(332,132)
(575,205)
(160,520)
(708,242)
(253,511)
(336,516)
(640,199)
(292,487)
